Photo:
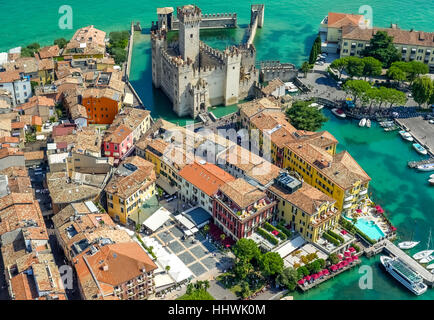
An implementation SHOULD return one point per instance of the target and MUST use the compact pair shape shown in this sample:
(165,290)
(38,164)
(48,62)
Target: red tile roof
(206,177)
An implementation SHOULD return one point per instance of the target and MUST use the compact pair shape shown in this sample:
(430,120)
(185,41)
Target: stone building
(195,76)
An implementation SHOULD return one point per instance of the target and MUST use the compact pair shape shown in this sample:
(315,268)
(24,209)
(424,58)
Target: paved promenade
(421,130)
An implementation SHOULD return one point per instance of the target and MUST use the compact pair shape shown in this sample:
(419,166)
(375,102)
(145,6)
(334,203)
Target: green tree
(242,269)
(416,69)
(30,50)
(302,272)
(304,117)
(246,249)
(119,54)
(306,67)
(339,65)
(371,67)
(422,90)
(271,263)
(395,97)
(119,39)
(61,42)
(288,278)
(222,237)
(333,258)
(245,289)
(382,48)
(206,228)
(356,88)
(397,74)
(316,50)
(355,67)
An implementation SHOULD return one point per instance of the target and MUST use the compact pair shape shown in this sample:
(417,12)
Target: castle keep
(195,76)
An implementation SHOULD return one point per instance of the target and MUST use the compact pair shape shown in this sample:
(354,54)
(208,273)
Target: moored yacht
(362,122)
(426,167)
(427,259)
(339,113)
(408,244)
(404,274)
(368,123)
(419,148)
(406,135)
(425,253)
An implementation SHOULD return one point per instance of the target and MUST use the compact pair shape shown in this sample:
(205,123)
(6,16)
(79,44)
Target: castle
(195,76)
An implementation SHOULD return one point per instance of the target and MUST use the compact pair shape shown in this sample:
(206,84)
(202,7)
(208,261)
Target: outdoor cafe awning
(157,219)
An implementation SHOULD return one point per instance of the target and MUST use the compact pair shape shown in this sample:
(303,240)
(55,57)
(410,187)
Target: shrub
(283,229)
(267,236)
(331,239)
(356,247)
(335,235)
(303,271)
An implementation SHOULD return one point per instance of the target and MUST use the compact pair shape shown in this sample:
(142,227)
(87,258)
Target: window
(191,36)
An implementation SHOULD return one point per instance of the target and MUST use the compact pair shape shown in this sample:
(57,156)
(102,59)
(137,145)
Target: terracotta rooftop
(404,37)
(251,108)
(241,192)
(338,20)
(49,52)
(62,190)
(307,198)
(206,177)
(8,152)
(9,76)
(340,168)
(118,135)
(125,184)
(112,265)
(272,85)
(34,155)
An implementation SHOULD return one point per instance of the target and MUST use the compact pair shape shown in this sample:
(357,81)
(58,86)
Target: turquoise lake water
(289,30)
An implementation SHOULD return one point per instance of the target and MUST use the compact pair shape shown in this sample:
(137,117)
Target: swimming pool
(369,228)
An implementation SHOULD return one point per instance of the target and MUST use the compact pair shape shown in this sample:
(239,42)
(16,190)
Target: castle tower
(189,20)
(232,60)
(158,42)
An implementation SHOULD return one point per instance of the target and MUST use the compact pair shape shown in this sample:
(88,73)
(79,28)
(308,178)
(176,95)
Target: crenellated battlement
(219,15)
(158,35)
(189,13)
(177,61)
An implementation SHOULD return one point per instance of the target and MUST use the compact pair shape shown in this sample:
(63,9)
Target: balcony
(324,217)
(363,192)
(251,210)
(346,206)
(348,197)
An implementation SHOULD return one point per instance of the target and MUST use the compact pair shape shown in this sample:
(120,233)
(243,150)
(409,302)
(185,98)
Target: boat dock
(421,130)
(414,164)
(389,247)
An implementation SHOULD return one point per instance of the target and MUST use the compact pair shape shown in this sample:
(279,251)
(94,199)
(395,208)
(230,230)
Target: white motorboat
(368,123)
(408,244)
(406,135)
(362,122)
(339,113)
(422,254)
(426,167)
(431,182)
(431,176)
(425,253)
(427,259)
(404,274)
(430,266)
(419,148)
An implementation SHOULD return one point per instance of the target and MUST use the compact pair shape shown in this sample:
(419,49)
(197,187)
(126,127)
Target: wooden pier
(390,248)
